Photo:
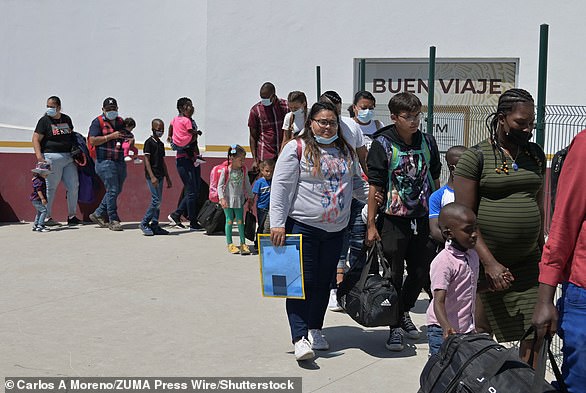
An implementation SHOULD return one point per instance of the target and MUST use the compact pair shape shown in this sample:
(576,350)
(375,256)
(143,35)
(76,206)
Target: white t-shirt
(298,123)
(370,128)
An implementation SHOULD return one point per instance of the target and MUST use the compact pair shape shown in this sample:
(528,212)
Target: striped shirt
(268,121)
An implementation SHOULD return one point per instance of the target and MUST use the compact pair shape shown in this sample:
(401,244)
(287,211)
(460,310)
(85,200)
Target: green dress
(510,221)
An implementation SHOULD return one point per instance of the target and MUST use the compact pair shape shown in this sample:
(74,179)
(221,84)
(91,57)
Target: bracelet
(106,136)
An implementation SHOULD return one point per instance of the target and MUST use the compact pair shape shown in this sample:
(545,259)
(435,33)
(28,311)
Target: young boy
(454,274)
(155,170)
(404,164)
(39,195)
(262,191)
(127,143)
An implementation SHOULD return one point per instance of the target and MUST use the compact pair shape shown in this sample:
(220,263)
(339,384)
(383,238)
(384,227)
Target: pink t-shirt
(456,272)
(181,126)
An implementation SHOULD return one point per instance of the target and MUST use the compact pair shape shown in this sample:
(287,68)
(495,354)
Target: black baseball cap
(110,102)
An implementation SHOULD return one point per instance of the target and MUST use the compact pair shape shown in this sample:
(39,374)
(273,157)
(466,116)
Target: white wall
(148,53)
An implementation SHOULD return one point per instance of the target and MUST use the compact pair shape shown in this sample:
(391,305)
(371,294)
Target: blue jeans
(113,174)
(191,178)
(572,329)
(62,169)
(41,213)
(321,251)
(353,239)
(435,338)
(151,216)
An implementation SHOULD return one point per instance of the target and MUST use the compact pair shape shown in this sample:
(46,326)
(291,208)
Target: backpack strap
(427,156)
(299,148)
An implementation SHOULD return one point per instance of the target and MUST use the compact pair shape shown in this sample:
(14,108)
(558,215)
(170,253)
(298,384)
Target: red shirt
(268,120)
(564,255)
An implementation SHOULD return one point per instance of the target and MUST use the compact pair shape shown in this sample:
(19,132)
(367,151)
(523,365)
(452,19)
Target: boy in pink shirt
(454,275)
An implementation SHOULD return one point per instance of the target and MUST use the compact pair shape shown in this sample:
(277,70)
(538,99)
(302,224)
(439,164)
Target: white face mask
(299,112)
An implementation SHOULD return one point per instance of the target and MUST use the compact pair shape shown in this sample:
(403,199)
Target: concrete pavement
(85,301)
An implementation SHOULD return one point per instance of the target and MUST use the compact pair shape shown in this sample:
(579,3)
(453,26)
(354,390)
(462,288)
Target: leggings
(230,213)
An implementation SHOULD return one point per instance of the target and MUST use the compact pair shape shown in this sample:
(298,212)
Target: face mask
(266,101)
(51,111)
(111,115)
(519,137)
(365,115)
(159,133)
(325,141)
(299,112)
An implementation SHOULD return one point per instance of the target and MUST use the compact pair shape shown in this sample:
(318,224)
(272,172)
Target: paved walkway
(86,301)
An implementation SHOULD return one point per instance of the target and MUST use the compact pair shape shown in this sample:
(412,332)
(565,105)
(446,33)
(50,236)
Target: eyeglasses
(412,119)
(325,123)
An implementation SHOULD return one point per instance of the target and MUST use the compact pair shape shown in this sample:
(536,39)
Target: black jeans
(404,240)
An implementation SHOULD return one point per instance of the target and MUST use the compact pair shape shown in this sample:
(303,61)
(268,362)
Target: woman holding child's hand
(502,180)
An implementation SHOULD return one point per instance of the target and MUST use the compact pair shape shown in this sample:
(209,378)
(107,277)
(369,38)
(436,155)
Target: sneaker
(233,249)
(303,350)
(72,221)
(198,162)
(52,223)
(157,230)
(34,228)
(317,340)
(333,304)
(137,161)
(196,228)
(395,341)
(115,226)
(175,220)
(43,229)
(145,229)
(244,250)
(127,159)
(98,220)
(409,327)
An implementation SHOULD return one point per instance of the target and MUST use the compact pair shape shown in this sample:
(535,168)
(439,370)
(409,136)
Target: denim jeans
(435,338)
(191,178)
(63,168)
(572,330)
(41,213)
(321,251)
(353,240)
(113,174)
(151,216)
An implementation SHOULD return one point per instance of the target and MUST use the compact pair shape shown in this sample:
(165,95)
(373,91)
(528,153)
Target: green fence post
(318,80)
(362,75)
(542,84)
(430,93)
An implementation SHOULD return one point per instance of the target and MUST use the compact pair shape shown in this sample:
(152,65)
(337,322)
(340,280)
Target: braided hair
(506,105)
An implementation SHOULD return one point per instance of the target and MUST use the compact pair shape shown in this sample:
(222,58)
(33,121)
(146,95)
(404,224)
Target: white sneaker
(303,350)
(127,159)
(333,304)
(317,340)
(137,161)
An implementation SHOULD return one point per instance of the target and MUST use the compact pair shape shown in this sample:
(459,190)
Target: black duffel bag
(370,299)
(211,216)
(476,363)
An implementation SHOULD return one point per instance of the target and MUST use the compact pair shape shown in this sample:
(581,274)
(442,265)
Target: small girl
(39,195)
(127,143)
(233,190)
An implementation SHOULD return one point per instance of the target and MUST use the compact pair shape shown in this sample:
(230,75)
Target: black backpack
(211,216)
(369,299)
(476,363)
(556,169)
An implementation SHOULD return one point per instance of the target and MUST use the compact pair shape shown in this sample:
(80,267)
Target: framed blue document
(281,268)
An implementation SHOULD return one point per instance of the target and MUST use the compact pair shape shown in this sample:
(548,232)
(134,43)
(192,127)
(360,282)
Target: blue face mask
(266,101)
(111,115)
(325,141)
(51,111)
(365,115)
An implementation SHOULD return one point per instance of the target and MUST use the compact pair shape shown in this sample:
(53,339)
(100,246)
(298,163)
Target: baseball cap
(110,102)
(42,168)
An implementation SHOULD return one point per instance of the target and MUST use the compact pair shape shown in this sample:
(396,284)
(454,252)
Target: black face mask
(519,137)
